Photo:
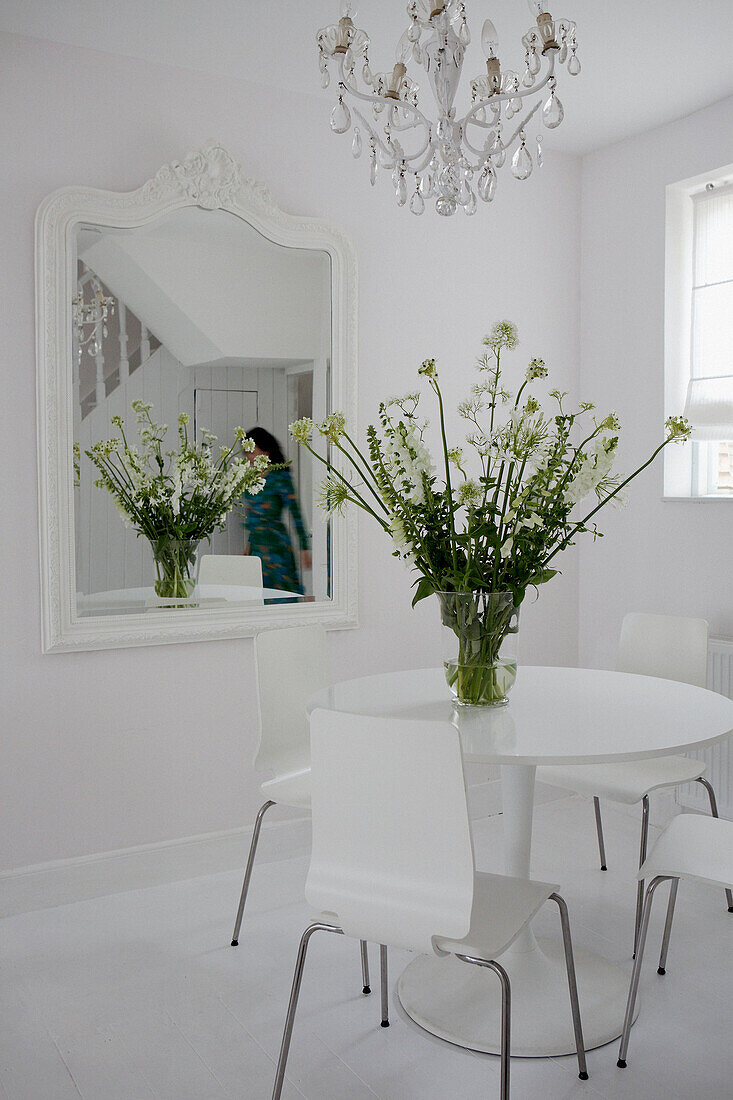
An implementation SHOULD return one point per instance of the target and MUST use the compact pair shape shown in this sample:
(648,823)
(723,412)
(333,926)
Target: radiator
(719,758)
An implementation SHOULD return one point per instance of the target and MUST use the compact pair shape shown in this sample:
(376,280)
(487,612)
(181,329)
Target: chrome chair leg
(599,830)
(248,870)
(293,1004)
(642,857)
(572,985)
(634,987)
(714,813)
(384,984)
(366,987)
(506,1017)
(661,969)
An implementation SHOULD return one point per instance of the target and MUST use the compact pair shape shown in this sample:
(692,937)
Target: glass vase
(479,645)
(175,567)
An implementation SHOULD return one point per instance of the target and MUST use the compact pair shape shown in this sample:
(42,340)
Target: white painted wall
(111,749)
(669,557)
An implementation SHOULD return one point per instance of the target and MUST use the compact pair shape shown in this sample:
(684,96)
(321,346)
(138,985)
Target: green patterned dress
(269,538)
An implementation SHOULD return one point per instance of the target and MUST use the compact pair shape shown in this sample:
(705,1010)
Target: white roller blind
(709,405)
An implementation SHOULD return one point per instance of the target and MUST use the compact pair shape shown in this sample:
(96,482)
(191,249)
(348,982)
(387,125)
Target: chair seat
(626,782)
(290,790)
(693,846)
(502,906)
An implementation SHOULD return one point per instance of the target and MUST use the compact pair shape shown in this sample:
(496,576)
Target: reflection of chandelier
(91,315)
(443,159)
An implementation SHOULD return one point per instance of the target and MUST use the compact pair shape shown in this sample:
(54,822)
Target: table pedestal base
(462,1003)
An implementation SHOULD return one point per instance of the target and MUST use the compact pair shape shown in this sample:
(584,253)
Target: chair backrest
(392,855)
(230,569)
(292,664)
(667,646)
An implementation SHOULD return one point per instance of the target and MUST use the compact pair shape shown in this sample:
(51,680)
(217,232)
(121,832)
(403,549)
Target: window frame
(688,471)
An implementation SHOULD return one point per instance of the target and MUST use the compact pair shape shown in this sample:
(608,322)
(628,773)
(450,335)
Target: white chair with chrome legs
(392,859)
(670,648)
(691,847)
(292,664)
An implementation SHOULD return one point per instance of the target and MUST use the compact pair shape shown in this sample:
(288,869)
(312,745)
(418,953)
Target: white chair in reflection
(393,863)
(670,648)
(230,569)
(292,664)
(692,847)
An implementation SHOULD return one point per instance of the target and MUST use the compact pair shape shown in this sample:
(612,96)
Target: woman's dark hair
(267,442)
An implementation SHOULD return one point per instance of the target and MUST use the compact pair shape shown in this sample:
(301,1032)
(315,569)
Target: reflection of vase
(479,645)
(175,562)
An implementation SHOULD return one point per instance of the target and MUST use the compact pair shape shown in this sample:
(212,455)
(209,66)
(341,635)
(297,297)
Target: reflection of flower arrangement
(500,529)
(175,497)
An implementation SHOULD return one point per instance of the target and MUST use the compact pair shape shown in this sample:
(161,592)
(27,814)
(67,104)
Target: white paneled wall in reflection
(719,758)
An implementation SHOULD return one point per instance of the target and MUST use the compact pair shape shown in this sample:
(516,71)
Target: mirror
(196,296)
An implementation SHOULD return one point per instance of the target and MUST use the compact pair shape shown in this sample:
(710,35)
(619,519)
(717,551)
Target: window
(699,333)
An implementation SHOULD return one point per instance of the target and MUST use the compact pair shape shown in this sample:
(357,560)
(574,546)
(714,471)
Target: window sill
(716,497)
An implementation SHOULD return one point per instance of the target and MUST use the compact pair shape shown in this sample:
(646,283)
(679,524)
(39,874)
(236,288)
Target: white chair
(691,847)
(291,665)
(393,863)
(671,648)
(230,569)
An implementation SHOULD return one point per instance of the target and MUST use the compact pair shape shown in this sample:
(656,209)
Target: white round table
(554,716)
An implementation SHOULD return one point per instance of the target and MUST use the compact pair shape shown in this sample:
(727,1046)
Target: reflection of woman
(269,538)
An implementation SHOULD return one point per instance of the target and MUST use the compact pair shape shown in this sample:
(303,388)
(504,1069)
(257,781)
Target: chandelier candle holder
(452,160)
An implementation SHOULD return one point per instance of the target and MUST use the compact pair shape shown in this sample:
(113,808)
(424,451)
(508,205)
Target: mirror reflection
(199,317)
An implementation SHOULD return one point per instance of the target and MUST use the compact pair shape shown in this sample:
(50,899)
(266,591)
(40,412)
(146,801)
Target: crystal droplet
(516,104)
(553,112)
(356,143)
(563,53)
(417,53)
(366,73)
(373,170)
(487,183)
(445,129)
(445,206)
(325,78)
(522,163)
(413,32)
(540,158)
(340,118)
(417,203)
(573,65)
(401,191)
(509,110)
(427,184)
(469,207)
(464,194)
(534,63)
(464,35)
(528,78)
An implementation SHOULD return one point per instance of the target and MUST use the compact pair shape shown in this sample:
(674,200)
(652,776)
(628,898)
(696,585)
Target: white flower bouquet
(501,511)
(175,498)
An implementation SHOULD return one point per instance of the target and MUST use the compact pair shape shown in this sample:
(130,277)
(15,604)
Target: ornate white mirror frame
(210,179)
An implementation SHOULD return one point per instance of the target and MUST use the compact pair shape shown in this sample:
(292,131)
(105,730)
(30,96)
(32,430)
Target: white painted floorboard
(138,995)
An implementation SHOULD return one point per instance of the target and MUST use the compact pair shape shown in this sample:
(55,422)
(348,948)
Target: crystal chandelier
(452,159)
(91,316)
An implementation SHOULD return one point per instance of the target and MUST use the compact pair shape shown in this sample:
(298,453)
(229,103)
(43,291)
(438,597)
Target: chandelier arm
(520,127)
(427,144)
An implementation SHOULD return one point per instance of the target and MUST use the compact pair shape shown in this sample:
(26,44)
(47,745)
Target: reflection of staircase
(100,374)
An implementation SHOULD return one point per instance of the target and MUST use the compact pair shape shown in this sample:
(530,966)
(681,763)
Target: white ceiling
(645,62)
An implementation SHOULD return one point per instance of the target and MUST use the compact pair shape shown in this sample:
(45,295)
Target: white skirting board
(719,758)
(46,885)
